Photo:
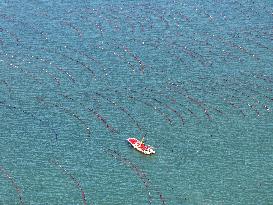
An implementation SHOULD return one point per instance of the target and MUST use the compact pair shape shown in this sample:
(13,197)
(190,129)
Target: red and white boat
(141,147)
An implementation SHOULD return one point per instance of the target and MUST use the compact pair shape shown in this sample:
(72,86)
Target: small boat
(141,147)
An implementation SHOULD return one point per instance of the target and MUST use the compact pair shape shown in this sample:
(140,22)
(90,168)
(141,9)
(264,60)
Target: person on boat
(142,140)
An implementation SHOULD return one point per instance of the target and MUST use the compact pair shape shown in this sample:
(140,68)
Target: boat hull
(141,147)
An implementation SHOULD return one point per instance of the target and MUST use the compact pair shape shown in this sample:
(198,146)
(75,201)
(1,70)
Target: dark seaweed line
(68,111)
(253,94)
(11,34)
(73,27)
(120,57)
(19,43)
(43,68)
(174,87)
(103,120)
(229,43)
(123,109)
(94,112)
(82,64)
(200,103)
(134,168)
(136,58)
(4,82)
(86,55)
(44,60)
(27,73)
(154,108)
(139,172)
(52,64)
(173,101)
(166,106)
(70,176)
(18,190)
(12,107)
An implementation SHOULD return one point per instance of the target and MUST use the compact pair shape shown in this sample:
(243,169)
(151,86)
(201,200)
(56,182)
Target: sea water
(77,78)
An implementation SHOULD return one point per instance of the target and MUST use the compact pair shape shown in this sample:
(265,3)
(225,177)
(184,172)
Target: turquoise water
(77,78)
